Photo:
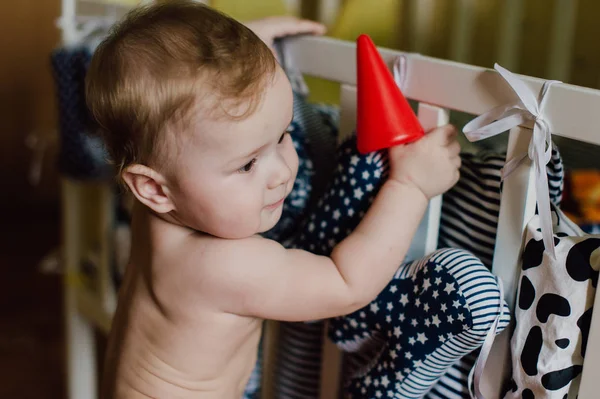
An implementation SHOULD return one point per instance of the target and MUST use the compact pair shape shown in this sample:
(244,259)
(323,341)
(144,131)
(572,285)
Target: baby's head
(194,109)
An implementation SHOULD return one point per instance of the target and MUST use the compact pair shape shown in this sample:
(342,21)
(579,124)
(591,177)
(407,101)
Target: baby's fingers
(444,134)
(456,161)
(454,148)
(276,27)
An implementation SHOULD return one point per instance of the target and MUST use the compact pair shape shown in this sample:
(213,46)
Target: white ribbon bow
(505,117)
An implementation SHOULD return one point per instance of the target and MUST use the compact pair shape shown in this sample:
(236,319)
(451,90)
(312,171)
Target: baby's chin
(274,219)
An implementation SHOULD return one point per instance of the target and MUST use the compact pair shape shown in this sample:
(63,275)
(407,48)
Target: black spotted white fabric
(470,221)
(435,310)
(554,309)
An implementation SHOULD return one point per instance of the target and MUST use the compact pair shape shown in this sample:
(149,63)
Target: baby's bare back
(170,343)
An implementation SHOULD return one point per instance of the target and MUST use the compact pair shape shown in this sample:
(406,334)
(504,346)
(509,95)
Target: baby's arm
(258,277)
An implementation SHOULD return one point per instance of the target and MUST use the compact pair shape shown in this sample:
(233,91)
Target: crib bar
(517,206)
(571,110)
(294,6)
(422,27)
(328,10)
(511,24)
(561,39)
(462,30)
(79,332)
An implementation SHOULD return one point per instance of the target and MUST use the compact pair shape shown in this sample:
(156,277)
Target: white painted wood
(462,30)
(347,112)
(517,207)
(426,237)
(571,110)
(79,333)
(421,25)
(67,22)
(293,6)
(561,39)
(511,26)
(328,11)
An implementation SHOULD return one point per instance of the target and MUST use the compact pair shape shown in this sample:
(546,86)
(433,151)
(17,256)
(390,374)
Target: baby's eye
(248,167)
(282,137)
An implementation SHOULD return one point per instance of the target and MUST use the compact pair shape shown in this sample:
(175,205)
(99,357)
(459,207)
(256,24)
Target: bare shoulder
(218,255)
(211,265)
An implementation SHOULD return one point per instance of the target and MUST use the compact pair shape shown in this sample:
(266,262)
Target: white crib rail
(453,85)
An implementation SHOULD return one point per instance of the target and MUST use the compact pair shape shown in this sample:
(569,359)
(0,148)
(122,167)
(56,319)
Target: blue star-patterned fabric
(355,183)
(82,155)
(434,311)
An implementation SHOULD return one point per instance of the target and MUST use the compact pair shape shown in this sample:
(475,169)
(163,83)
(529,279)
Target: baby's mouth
(275,205)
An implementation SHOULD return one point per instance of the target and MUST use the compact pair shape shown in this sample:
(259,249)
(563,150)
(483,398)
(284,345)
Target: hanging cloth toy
(559,268)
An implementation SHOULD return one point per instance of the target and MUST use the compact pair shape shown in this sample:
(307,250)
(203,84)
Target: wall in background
(27,36)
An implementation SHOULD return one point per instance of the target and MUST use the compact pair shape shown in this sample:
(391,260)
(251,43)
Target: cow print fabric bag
(553,312)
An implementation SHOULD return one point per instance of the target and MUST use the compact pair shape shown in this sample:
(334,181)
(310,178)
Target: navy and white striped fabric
(469,221)
(298,366)
(470,209)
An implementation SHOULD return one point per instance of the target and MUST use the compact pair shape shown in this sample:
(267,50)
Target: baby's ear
(149,187)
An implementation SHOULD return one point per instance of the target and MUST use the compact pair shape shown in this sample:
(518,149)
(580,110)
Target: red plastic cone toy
(384,117)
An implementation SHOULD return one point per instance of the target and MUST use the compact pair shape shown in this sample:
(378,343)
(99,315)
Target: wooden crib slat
(561,39)
(511,26)
(462,30)
(517,206)
(79,332)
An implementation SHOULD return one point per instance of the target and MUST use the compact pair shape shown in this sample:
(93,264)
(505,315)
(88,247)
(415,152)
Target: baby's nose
(281,174)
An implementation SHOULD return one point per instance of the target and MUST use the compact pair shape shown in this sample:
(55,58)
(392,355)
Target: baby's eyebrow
(250,154)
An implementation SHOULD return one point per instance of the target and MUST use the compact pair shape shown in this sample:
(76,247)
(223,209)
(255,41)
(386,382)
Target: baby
(194,108)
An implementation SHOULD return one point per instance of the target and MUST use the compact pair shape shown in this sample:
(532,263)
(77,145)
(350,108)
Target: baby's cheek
(293,162)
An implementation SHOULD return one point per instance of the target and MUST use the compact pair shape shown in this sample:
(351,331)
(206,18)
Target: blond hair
(161,63)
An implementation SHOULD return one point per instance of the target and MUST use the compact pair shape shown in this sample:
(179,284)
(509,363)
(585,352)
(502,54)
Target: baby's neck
(156,229)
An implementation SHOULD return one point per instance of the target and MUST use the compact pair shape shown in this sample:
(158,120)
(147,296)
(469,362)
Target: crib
(438,86)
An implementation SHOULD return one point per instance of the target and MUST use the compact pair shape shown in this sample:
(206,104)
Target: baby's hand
(271,28)
(430,164)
